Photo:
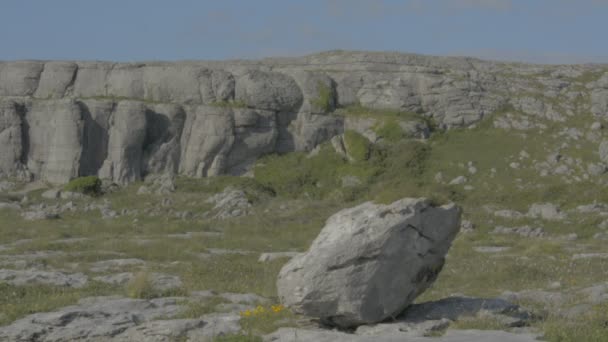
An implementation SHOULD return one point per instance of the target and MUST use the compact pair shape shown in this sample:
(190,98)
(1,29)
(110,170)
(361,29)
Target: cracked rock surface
(370,262)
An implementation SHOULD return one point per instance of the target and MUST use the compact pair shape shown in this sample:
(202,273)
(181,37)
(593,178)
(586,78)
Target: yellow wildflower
(277,308)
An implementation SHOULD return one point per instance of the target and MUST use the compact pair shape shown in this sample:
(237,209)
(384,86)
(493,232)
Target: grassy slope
(294,194)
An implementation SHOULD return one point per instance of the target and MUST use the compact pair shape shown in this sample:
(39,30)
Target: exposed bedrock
(121,121)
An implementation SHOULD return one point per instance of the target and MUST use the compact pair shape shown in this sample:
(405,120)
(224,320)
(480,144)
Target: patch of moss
(324,100)
(89,185)
(357,146)
(390,130)
(297,175)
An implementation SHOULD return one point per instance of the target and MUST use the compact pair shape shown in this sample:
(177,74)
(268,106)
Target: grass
(89,185)
(18,301)
(324,101)
(357,146)
(293,194)
(590,326)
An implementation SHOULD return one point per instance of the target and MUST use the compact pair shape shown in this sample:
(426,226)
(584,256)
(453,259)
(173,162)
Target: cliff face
(121,121)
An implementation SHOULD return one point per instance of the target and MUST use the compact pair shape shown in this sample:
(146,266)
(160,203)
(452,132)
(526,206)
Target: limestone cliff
(121,121)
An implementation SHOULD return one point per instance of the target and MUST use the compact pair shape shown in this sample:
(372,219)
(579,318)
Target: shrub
(324,101)
(297,175)
(357,146)
(140,286)
(90,185)
(390,130)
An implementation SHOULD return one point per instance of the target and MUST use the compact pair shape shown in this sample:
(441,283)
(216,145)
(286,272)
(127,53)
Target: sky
(536,31)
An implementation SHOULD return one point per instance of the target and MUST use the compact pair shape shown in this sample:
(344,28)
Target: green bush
(357,146)
(324,101)
(90,185)
(390,130)
(298,175)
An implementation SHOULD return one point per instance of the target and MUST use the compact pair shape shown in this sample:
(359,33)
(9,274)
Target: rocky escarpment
(122,121)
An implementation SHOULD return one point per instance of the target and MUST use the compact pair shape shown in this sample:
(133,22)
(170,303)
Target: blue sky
(540,31)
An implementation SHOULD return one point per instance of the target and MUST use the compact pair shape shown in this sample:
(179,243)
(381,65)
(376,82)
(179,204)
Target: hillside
(214,174)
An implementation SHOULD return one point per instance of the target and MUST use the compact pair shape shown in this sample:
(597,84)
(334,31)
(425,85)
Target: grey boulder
(370,262)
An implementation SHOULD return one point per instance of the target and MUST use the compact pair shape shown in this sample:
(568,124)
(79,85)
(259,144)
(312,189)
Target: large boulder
(370,262)
(269,91)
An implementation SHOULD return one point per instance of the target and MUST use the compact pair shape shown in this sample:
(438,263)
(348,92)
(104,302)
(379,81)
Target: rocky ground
(173,258)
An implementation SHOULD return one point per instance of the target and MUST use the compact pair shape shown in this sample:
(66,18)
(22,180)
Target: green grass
(324,99)
(89,185)
(18,301)
(590,326)
(357,146)
(293,194)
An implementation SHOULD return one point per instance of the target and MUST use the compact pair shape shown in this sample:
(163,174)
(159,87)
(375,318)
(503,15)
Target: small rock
(230,203)
(51,194)
(12,206)
(525,231)
(71,195)
(106,265)
(546,211)
(143,190)
(39,215)
(37,277)
(467,226)
(590,256)
(439,177)
(458,180)
(266,257)
(491,249)
(596,169)
(510,214)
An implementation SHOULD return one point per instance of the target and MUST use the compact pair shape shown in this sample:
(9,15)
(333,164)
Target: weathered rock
(525,231)
(13,206)
(54,140)
(202,329)
(38,277)
(158,281)
(56,79)
(546,211)
(268,91)
(60,120)
(92,319)
(456,308)
(266,257)
(11,137)
(106,265)
(510,214)
(35,215)
(20,78)
(229,203)
(351,274)
(51,194)
(304,335)
(125,145)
